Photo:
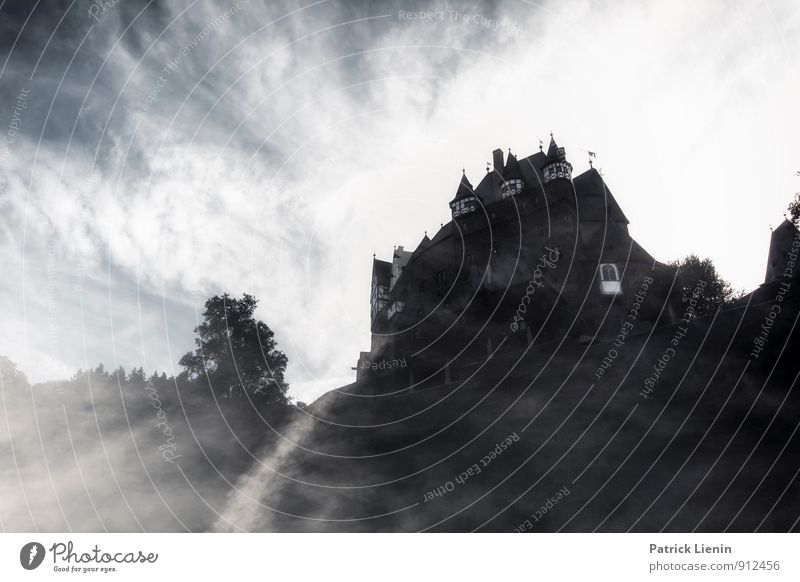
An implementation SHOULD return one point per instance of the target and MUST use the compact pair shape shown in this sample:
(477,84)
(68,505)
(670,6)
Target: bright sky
(285,144)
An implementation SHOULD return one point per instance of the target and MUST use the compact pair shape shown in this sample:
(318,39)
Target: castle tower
(513,182)
(783,243)
(557,179)
(556,167)
(465,201)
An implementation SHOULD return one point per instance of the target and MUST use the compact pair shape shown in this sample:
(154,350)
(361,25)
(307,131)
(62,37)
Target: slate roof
(512,170)
(382,270)
(487,189)
(596,200)
(531,168)
(464,188)
(552,151)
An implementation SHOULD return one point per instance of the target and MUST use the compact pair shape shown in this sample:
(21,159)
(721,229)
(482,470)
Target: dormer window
(464,206)
(610,283)
(510,188)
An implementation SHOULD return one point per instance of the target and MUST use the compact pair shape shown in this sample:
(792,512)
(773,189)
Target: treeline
(123,450)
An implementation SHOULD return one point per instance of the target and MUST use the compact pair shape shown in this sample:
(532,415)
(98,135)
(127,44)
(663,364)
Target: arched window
(608,272)
(610,283)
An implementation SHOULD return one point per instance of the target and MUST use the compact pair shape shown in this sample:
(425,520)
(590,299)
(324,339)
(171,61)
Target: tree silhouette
(794,209)
(9,373)
(236,353)
(716,293)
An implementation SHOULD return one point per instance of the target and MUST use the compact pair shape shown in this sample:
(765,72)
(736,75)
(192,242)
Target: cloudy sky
(153,153)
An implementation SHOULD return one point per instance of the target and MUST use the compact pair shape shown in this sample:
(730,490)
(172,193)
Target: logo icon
(31,555)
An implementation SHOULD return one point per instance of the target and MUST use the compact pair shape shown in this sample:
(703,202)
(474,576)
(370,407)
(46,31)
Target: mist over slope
(538,441)
(111,452)
(531,440)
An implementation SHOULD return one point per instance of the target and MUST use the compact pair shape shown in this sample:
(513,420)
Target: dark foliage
(794,209)
(236,354)
(692,273)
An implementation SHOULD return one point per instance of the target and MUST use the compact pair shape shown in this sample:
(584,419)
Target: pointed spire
(512,169)
(556,165)
(552,149)
(464,186)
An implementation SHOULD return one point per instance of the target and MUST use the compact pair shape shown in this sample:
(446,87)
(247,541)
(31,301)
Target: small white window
(609,279)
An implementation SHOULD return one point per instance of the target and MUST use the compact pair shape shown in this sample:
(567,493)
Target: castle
(531,255)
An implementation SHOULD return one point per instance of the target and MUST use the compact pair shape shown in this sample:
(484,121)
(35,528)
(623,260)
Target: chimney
(497,158)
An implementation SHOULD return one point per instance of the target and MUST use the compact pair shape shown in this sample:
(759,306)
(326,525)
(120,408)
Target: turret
(556,166)
(782,248)
(379,294)
(512,177)
(465,201)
